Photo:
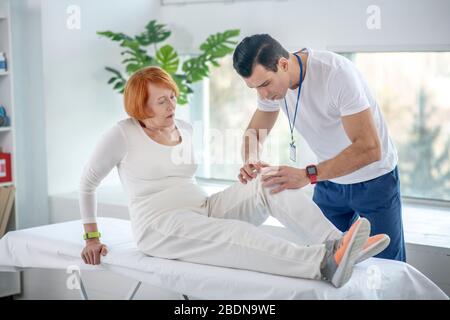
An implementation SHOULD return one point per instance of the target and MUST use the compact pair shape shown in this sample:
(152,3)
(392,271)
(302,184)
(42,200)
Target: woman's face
(161,103)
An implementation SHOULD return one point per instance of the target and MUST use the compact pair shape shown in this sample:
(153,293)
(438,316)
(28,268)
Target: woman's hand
(93,250)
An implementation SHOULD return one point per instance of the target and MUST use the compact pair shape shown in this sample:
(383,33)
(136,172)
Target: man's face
(270,85)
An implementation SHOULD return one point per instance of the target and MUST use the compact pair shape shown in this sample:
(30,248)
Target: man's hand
(284,177)
(250,170)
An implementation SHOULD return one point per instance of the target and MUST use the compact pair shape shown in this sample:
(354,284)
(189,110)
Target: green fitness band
(91,235)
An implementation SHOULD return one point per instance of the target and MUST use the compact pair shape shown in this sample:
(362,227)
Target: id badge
(293,152)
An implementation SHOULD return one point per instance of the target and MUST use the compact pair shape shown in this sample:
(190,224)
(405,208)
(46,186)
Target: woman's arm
(110,150)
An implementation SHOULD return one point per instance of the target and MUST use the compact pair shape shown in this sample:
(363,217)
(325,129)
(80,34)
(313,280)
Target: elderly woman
(172,217)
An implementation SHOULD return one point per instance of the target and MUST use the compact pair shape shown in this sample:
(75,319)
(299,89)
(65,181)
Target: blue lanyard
(291,127)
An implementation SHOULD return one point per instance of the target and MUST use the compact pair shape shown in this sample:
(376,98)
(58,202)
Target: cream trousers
(224,232)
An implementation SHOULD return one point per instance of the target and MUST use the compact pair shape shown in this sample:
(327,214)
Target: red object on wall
(5,167)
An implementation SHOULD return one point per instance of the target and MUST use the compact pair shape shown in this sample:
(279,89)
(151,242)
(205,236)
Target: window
(411,88)
(227,109)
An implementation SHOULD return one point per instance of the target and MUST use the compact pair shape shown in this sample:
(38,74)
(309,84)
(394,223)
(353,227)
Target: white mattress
(58,246)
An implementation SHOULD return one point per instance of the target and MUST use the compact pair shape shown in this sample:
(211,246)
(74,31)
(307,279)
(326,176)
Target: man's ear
(283,64)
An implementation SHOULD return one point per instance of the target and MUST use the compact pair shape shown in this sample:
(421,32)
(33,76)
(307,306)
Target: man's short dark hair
(257,49)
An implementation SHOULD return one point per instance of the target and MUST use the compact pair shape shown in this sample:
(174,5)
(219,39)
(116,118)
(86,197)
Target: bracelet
(91,235)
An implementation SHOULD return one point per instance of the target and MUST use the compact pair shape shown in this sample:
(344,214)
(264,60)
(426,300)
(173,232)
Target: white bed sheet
(58,246)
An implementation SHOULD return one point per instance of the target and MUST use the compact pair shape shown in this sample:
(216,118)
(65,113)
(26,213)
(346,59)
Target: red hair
(136,92)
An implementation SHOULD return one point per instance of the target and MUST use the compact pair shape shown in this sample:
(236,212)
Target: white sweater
(157,178)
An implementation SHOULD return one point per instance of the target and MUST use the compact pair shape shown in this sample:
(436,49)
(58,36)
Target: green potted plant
(193,69)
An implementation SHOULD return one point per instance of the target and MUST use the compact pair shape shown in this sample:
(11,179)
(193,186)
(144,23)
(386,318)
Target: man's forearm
(352,158)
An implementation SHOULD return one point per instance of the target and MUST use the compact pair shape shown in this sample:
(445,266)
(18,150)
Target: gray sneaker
(341,256)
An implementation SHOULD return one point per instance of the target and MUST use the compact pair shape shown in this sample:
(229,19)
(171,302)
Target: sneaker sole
(345,268)
(374,249)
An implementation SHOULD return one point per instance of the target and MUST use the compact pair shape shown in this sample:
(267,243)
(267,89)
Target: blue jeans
(378,200)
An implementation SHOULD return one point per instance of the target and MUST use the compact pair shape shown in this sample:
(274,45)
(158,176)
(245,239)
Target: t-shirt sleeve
(347,92)
(267,105)
(108,152)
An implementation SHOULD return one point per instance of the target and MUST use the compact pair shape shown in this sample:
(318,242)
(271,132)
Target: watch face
(311,170)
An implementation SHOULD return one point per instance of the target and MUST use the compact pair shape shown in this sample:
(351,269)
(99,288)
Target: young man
(329,103)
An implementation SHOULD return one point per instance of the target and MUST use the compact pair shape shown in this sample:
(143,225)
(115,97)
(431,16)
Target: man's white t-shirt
(333,88)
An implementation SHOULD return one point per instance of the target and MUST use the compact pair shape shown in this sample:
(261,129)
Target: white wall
(79,103)
(317,24)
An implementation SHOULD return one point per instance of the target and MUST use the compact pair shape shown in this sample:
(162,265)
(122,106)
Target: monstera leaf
(196,69)
(117,80)
(220,44)
(168,59)
(193,69)
(155,33)
(184,88)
